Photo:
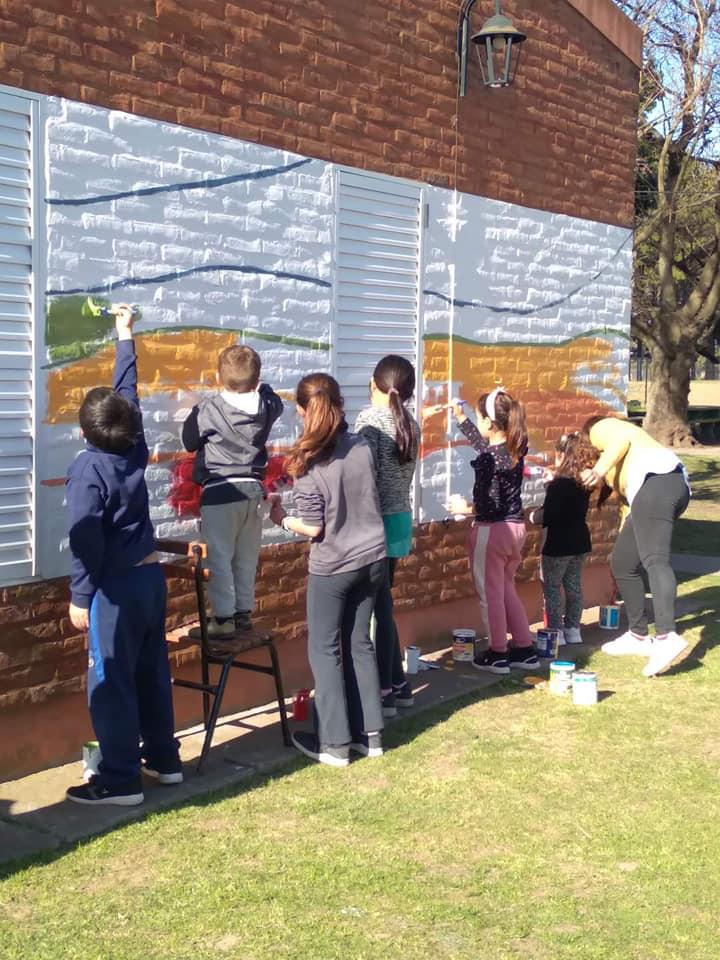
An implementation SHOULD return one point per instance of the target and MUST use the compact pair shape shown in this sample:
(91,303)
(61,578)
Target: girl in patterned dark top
(498,531)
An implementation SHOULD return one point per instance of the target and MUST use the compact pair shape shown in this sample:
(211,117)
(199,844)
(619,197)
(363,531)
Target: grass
(509,825)
(694,532)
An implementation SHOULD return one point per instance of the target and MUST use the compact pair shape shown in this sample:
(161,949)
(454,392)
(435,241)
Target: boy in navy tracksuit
(118,590)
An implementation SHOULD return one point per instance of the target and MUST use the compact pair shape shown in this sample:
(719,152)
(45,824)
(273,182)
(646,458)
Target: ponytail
(319,396)
(395,376)
(508,416)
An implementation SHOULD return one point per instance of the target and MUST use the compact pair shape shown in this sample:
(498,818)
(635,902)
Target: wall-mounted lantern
(497,45)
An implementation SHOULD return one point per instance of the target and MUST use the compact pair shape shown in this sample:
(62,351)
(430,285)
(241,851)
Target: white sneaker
(562,638)
(628,645)
(666,652)
(572,635)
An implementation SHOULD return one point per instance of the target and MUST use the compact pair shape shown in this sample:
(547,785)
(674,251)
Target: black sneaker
(403,695)
(388,705)
(242,620)
(368,744)
(167,776)
(523,658)
(95,793)
(333,756)
(492,662)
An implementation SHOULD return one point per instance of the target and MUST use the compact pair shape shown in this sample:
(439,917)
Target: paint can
(547,642)
(561,674)
(412,659)
(584,688)
(610,617)
(463,645)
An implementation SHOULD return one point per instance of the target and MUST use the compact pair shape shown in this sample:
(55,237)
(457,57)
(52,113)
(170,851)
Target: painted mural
(217,241)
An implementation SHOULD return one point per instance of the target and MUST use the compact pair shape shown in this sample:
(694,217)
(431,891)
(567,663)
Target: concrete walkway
(36,818)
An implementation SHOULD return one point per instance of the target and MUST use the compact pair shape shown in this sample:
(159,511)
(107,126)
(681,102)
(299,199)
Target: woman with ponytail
(498,531)
(394,436)
(337,508)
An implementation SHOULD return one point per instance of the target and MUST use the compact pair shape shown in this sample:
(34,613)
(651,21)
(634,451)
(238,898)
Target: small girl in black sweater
(567,540)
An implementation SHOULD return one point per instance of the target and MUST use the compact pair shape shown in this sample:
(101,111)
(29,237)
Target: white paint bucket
(412,659)
(561,674)
(610,617)
(463,645)
(584,688)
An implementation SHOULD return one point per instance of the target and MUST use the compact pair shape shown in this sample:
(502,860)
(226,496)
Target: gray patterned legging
(560,573)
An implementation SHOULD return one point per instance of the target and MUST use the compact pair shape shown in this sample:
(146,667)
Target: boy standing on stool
(118,591)
(229,431)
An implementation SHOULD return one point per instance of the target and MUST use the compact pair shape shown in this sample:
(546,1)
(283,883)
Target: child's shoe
(492,662)
(523,658)
(403,695)
(368,745)
(572,635)
(333,756)
(95,794)
(243,620)
(216,629)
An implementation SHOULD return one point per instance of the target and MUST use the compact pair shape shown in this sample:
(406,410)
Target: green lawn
(694,532)
(510,825)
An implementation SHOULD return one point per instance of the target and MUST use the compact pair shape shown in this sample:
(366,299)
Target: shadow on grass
(401,730)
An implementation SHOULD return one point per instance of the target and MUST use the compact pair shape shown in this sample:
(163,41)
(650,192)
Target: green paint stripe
(90,348)
(599,332)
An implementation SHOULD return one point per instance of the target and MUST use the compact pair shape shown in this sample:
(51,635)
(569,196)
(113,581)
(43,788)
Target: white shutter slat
(16,342)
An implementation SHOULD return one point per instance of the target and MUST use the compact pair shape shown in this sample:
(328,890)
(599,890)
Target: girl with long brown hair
(567,539)
(338,509)
(394,437)
(498,531)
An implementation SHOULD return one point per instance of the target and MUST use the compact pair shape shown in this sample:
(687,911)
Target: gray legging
(644,544)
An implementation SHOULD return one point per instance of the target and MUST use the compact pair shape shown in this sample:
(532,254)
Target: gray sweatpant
(341,654)
(232,532)
(644,544)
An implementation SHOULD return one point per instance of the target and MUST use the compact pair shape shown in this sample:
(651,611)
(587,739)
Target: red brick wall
(43,657)
(369,84)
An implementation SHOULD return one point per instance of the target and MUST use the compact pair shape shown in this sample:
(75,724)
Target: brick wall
(372,85)
(42,657)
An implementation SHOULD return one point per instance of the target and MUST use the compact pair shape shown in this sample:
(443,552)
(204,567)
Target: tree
(676,295)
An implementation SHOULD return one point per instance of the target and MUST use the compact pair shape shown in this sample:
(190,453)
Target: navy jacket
(107,500)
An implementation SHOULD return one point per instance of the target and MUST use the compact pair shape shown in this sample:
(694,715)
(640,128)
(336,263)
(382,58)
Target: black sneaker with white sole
(368,745)
(523,658)
(94,793)
(403,695)
(333,756)
(389,708)
(492,662)
(166,776)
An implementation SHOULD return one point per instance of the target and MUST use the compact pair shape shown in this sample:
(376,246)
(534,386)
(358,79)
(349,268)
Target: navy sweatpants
(129,689)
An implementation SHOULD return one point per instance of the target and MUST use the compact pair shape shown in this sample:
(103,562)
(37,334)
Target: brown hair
(319,396)
(239,368)
(510,418)
(395,376)
(578,455)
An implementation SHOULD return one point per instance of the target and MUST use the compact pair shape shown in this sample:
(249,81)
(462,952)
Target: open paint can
(610,617)
(584,688)
(463,645)
(561,677)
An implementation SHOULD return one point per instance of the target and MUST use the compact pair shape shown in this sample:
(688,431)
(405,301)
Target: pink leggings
(495,555)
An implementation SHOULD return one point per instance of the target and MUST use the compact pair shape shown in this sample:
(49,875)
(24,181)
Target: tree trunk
(666,417)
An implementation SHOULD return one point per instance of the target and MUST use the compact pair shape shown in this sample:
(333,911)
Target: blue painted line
(177,187)
(179,274)
(528,311)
